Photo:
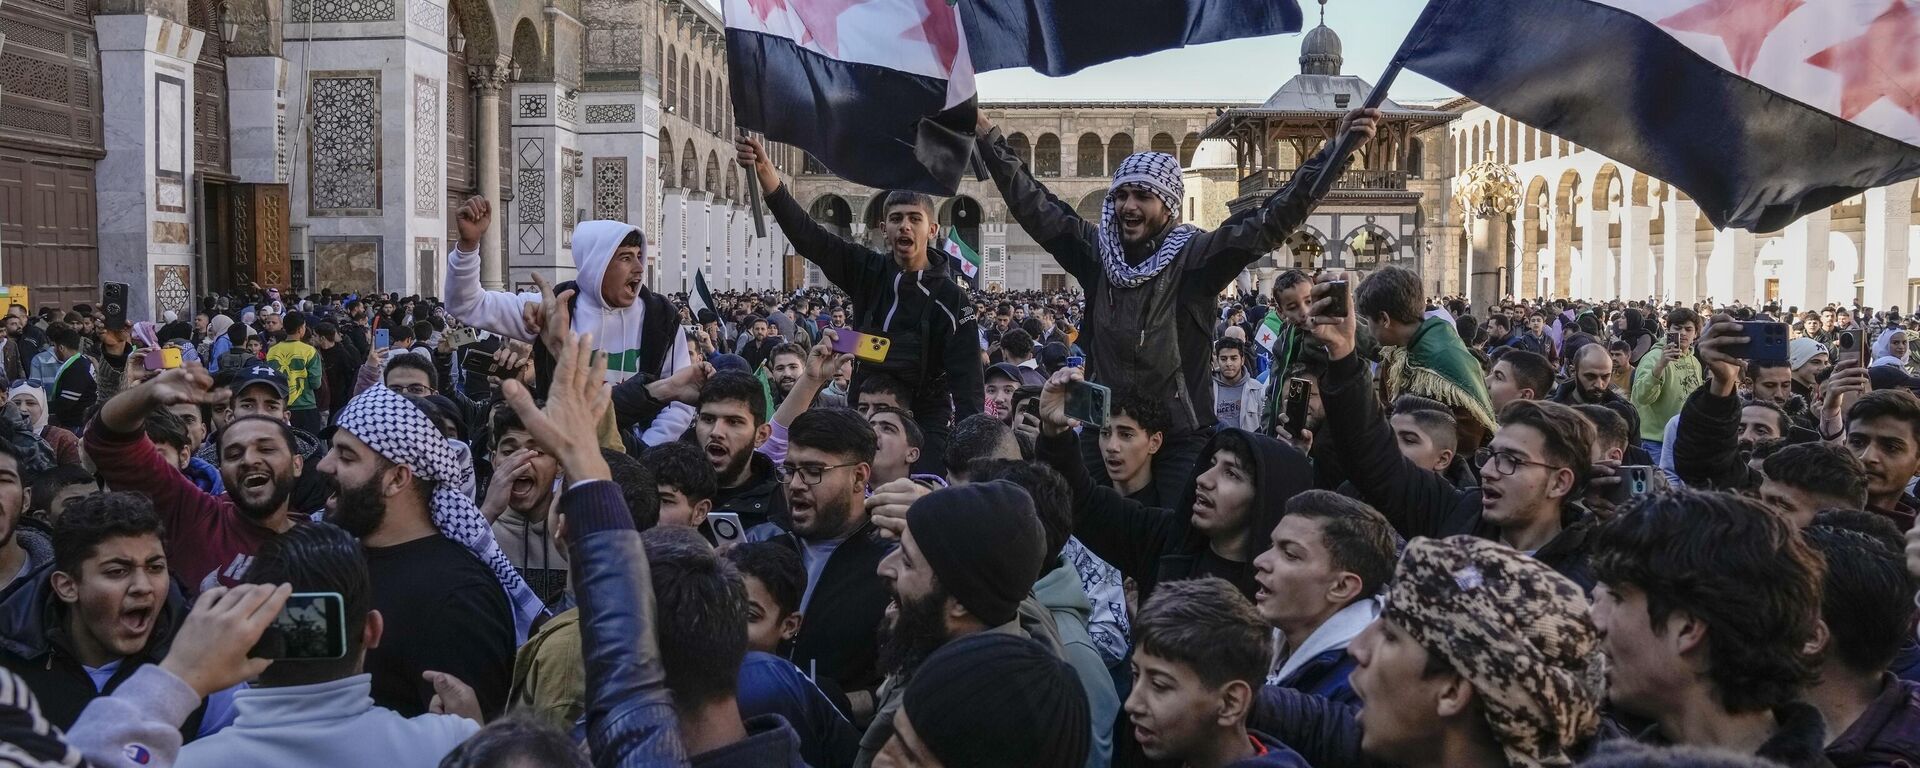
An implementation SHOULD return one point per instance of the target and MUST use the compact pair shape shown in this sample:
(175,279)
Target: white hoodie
(616,331)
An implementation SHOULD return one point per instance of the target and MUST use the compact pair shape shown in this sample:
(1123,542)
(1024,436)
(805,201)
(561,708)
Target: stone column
(146,74)
(675,273)
(1742,248)
(1682,250)
(487,82)
(1805,253)
(1889,213)
(1483,281)
(1636,252)
(698,234)
(543,119)
(1599,271)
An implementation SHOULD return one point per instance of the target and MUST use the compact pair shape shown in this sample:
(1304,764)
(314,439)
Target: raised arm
(1123,532)
(1050,221)
(496,311)
(841,261)
(127,460)
(669,424)
(1226,251)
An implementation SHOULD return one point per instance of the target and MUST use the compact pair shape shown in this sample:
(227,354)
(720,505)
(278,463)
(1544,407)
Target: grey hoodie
(1060,593)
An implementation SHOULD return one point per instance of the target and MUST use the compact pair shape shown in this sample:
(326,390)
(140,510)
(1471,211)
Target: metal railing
(1269,179)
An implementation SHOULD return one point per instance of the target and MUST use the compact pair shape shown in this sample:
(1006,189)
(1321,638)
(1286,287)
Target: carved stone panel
(347,264)
(172,289)
(426,145)
(610,188)
(609,113)
(341,10)
(343,177)
(259,235)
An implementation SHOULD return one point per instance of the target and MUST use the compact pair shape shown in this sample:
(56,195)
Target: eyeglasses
(1505,463)
(417,390)
(810,474)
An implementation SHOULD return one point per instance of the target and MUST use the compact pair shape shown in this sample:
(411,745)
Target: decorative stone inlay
(530,195)
(651,118)
(610,188)
(609,113)
(426,145)
(344,152)
(340,10)
(533,105)
(427,15)
(170,232)
(172,289)
(568,110)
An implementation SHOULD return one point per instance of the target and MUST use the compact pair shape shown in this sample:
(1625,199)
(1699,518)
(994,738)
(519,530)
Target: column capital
(491,77)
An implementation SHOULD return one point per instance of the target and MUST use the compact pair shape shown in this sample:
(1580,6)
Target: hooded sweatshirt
(1152,545)
(617,332)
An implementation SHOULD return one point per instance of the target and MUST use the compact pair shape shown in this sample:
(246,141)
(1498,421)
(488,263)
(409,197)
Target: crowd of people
(1336,522)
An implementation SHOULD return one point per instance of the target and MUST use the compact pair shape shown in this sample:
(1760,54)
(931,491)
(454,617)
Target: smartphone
(1847,347)
(726,528)
(382,338)
(1766,341)
(1341,295)
(1089,403)
(478,362)
(1299,391)
(164,358)
(461,337)
(313,625)
(1673,338)
(866,346)
(1635,480)
(114,304)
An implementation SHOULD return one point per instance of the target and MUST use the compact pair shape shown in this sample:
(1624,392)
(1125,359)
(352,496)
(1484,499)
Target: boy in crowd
(897,444)
(517,501)
(1866,603)
(1200,653)
(1426,432)
(1318,582)
(1519,375)
(1238,397)
(685,483)
(1666,376)
(775,580)
(1134,432)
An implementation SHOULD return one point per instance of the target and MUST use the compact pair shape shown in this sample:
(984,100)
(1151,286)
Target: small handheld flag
(1269,333)
(969,261)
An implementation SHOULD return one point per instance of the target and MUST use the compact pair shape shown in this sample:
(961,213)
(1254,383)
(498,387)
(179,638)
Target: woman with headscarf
(1890,348)
(32,401)
(217,342)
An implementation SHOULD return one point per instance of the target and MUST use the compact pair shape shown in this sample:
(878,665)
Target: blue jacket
(1325,675)
(205,476)
(1274,754)
(1323,732)
(770,685)
(630,717)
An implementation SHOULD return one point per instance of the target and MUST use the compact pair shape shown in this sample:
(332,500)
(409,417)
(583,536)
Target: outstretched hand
(210,651)
(577,399)
(188,384)
(552,318)
(1335,331)
(473,220)
(1053,402)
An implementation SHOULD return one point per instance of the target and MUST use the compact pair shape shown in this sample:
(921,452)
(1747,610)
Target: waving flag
(701,300)
(1761,110)
(881,91)
(968,260)
(1270,330)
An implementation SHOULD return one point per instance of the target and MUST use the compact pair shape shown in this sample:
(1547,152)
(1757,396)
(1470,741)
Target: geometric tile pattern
(341,10)
(610,188)
(428,15)
(426,145)
(533,105)
(609,113)
(344,158)
(172,288)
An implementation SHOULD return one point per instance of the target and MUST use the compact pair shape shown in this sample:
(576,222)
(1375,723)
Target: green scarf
(1436,364)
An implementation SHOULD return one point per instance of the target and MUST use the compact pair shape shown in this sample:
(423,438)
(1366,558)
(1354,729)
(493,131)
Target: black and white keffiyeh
(399,431)
(1159,173)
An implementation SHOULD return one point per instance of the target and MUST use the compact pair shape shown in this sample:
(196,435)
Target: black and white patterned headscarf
(398,430)
(1159,173)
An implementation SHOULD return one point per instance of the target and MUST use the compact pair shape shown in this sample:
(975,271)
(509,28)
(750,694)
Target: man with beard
(13,353)
(397,487)
(730,426)
(1592,384)
(824,481)
(783,369)
(966,559)
(259,389)
(210,539)
(1153,282)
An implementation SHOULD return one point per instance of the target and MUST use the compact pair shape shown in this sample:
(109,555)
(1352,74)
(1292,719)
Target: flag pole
(753,194)
(1348,140)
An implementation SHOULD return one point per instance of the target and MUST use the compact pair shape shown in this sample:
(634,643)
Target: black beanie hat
(984,543)
(991,700)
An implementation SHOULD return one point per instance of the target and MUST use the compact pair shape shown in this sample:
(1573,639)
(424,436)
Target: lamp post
(1487,194)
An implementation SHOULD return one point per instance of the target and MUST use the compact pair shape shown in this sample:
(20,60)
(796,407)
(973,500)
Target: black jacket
(34,644)
(1155,337)
(1568,393)
(1151,545)
(1706,451)
(630,716)
(1417,501)
(839,644)
(758,501)
(927,316)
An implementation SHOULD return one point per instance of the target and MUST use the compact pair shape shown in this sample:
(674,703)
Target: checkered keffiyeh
(1159,173)
(399,431)
(1515,629)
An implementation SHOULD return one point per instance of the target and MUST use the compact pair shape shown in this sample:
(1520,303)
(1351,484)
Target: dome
(1320,52)
(1213,153)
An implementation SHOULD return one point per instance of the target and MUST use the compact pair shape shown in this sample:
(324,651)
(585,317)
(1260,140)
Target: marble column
(1636,252)
(487,83)
(1682,250)
(1804,249)
(675,274)
(1562,240)
(543,137)
(1889,213)
(1744,251)
(1489,238)
(145,180)
(698,233)
(1599,271)
(257,118)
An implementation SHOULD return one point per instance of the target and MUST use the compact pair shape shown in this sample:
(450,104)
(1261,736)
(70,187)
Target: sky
(1249,69)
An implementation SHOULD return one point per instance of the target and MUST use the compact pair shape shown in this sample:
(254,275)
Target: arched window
(1117,151)
(685,104)
(1163,142)
(713,173)
(1018,143)
(689,167)
(1089,159)
(1046,156)
(668,179)
(1369,246)
(1307,249)
(673,79)
(1188,146)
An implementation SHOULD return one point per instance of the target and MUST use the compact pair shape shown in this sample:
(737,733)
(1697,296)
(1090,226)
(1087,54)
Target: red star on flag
(1742,25)
(940,29)
(1883,62)
(822,20)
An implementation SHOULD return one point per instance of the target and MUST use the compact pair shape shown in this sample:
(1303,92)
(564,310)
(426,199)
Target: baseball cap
(1019,375)
(259,373)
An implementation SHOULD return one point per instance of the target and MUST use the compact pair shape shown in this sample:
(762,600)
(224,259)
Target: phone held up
(1089,403)
(312,625)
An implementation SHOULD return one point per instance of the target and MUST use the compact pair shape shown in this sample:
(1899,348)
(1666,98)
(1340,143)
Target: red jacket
(208,541)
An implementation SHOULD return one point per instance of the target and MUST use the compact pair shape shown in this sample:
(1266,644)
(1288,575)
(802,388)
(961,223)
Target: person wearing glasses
(823,478)
(1533,474)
